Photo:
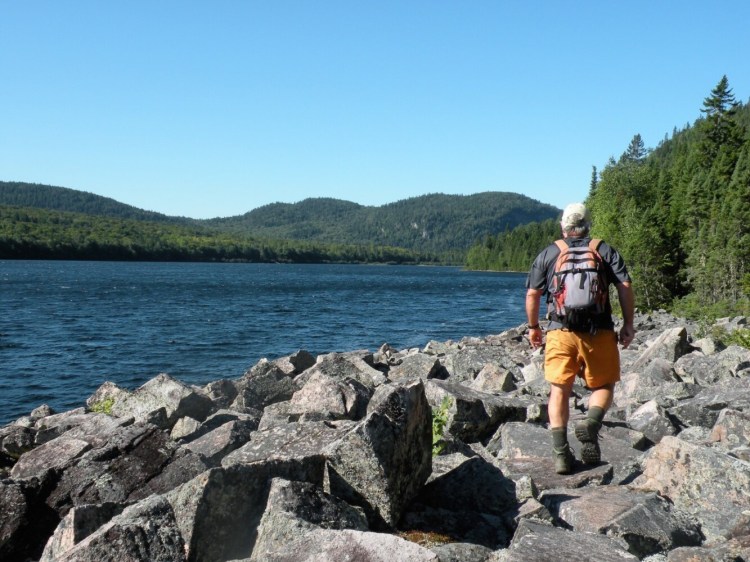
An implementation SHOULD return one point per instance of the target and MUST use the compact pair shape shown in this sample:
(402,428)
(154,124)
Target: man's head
(576,221)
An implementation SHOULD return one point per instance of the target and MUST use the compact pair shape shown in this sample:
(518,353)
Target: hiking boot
(563,459)
(587,432)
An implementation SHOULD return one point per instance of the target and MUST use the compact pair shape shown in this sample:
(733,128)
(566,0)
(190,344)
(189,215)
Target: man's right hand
(627,333)
(535,337)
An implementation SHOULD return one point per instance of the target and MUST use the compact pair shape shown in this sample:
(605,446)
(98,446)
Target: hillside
(429,223)
(679,215)
(436,224)
(39,196)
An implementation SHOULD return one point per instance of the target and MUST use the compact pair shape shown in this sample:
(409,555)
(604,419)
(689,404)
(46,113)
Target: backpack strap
(563,247)
(594,244)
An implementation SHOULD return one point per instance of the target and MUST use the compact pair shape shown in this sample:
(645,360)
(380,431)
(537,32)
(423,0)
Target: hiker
(581,339)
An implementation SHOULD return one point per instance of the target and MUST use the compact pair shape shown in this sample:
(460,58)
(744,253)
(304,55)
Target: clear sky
(206,109)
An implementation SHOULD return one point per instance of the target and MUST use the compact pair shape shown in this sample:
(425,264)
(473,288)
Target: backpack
(579,289)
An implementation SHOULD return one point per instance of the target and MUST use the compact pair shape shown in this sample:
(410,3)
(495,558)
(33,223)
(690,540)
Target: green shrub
(439,419)
(103,406)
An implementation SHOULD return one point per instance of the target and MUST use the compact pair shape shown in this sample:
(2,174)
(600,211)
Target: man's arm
(627,304)
(533,296)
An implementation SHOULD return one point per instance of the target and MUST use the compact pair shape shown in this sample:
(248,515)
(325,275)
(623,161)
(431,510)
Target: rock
(475,415)
(645,521)
(346,365)
(295,363)
(25,520)
(732,429)
(302,442)
(55,455)
(651,420)
(711,369)
(185,426)
(221,392)
(263,385)
(215,445)
(296,507)
(670,345)
(465,364)
(539,542)
(381,464)
(105,397)
(332,398)
(704,482)
(15,440)
(132,457)
(526,449)
(218,512)
(493,379)
(461,552)
(417,366)
(144,531)
(704,408)
(324,544)
(475,491)
(163,393)
(78,524)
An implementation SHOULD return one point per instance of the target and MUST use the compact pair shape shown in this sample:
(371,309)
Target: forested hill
(679,214)
(39,196)
(429,223)
(437,224)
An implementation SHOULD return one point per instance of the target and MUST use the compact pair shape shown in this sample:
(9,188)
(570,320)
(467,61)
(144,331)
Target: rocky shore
(333,458)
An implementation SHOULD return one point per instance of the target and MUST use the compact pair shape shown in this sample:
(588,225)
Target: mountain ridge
(435,222)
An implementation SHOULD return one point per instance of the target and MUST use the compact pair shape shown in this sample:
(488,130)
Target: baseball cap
(576,214)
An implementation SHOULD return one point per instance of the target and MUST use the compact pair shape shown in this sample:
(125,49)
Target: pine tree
(636,151)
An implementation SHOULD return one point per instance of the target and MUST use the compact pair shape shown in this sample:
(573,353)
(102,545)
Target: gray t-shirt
(543,269)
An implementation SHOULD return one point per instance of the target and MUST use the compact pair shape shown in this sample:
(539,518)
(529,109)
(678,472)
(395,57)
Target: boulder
(175,398)
(494,379)
(729,363)
(221,392)
(296,507)
(705,482)
(131,459)
(56,455)
(217,444)
(474,415)
(145,531)
(218,512)
(357,366)
(670,345)
(704,408)
(539,542)
(651,420)
(25,520)
(331,397)
(15,440)
(325,544)
(417,366)
(78,524)
(262,385)
(647,522)
(465,364)
(732,429)
(295,363)
(302,442)
(381,464)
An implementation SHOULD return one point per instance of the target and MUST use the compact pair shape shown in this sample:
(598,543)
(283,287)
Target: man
(571,351)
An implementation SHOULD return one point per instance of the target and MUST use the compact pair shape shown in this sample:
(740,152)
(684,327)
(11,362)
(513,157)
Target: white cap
(576,215)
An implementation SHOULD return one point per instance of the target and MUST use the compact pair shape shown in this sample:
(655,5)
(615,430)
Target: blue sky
(206,109)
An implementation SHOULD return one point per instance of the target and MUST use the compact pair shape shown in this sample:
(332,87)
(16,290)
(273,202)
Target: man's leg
(587,430)
(558,410)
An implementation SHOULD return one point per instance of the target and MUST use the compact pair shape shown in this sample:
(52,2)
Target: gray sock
(559,437)
(596,413)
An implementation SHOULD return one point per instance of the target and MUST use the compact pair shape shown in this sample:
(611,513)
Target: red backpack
(579,286)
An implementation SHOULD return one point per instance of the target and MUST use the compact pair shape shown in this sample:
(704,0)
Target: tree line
(30,233)
(679,214)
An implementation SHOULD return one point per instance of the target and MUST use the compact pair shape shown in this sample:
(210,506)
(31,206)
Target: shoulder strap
(561,245)
(594,244)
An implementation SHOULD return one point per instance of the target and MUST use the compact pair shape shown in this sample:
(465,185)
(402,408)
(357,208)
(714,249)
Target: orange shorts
(595,358)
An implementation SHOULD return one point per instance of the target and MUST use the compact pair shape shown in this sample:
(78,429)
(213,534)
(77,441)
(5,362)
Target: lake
(66,327)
